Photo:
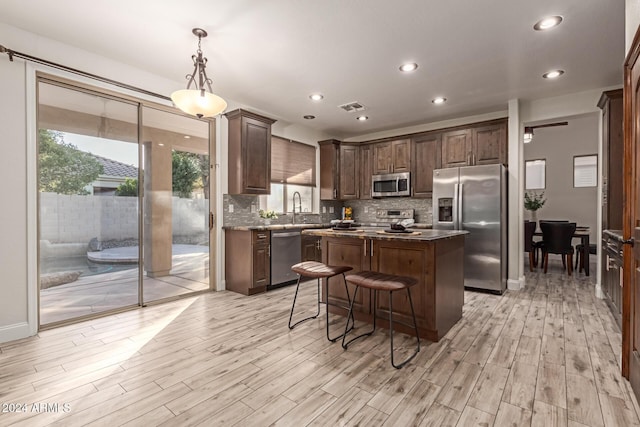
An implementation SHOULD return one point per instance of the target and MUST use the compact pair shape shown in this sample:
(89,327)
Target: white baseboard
(222,285)
(599,293)
(14,332)
(515,285)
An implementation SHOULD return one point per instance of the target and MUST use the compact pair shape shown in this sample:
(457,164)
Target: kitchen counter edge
(425,234)
(305,226)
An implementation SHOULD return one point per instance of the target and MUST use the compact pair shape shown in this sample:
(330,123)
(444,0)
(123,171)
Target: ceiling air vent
(351,107)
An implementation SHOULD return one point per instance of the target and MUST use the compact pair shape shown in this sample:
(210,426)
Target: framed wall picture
(535,174)
(585,171)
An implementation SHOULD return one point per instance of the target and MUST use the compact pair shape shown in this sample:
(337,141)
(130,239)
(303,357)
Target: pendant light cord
(12,53)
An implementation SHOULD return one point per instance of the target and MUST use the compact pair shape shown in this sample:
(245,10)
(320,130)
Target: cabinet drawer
(261,237)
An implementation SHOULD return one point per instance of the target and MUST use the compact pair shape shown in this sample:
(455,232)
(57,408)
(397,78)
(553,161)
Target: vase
(267,222)
(534,216)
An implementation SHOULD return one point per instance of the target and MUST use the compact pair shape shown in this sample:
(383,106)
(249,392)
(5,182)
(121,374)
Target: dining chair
(529,245)
(556,237)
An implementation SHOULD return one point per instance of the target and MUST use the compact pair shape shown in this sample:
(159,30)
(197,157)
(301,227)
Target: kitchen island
(434,257)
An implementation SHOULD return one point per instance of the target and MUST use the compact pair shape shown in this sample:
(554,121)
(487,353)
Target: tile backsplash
(365,210)
(245,210)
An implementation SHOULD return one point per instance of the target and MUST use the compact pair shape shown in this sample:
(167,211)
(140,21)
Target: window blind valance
(292,162)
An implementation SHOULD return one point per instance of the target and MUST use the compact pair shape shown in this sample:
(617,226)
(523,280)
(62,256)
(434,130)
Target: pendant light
(198,101)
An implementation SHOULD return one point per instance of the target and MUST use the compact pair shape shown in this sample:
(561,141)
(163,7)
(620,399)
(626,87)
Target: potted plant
(532,202)
(267,215)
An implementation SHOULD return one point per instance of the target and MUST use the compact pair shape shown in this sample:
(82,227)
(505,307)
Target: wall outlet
(324,209)
(253,208)
(230,208)
(330,209)
(366,209)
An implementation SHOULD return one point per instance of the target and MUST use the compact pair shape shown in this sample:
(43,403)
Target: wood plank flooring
(548,355)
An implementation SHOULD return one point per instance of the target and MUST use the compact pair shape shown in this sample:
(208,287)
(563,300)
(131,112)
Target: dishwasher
(285,252)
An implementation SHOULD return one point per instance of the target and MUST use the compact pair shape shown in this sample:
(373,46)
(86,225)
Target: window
(293,168)
(585,171)
(535,174)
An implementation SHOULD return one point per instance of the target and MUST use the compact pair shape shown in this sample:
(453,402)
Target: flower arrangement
(533,201)
(348,213)
(267,214)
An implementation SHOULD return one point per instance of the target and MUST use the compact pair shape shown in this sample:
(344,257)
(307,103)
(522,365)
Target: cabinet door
(366,171)
(261,265)
(351,252)
(490,145)
(328,170)
(401,155)
(412,260)
(426,158)
(382,158)
(311,248)
(456,148)
(349,172)
(256,156)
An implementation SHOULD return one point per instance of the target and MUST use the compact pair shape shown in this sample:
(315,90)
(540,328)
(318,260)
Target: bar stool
(382,282)
(318,270)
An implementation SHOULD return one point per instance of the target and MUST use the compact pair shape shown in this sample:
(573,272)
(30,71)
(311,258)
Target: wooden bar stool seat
(318,270)
(387,283)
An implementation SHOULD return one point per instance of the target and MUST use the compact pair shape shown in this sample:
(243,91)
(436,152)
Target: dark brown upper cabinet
(490,144)
(349,176)
(612,155)
(249,152)
(392,156)
(366,170)
(426,158)
(329,179)
(456,148)
(484,144)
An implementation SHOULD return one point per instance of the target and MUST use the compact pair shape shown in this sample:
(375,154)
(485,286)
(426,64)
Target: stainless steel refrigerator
(474,198)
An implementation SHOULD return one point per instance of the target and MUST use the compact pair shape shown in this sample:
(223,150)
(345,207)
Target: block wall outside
(78,219)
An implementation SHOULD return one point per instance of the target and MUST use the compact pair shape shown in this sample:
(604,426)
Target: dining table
(581,233)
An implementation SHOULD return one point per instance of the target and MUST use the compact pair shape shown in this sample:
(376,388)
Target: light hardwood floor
(546,355)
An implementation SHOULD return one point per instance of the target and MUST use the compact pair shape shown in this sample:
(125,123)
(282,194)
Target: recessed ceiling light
(362,118)
(548,22)
(316,97)
(408,67)
(187,137)
(553,74)
(309,117)
(439,100)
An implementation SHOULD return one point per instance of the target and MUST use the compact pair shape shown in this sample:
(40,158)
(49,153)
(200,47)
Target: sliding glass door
(123,203)
(88,229)
(176,204)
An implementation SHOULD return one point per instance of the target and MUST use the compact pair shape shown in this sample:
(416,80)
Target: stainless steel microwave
(391,184)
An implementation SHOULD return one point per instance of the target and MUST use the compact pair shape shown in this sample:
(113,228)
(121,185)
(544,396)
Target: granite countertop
(271,227)
(376,233)
(274,227)
(614,234)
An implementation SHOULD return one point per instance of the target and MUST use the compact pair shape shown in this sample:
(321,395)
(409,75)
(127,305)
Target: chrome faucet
(293,218)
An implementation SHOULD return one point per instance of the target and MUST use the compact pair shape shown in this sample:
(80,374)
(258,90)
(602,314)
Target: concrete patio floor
(112,290)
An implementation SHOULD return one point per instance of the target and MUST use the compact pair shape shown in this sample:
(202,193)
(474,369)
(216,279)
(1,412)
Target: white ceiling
(272,54)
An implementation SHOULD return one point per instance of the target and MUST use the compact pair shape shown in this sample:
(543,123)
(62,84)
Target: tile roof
(115,168)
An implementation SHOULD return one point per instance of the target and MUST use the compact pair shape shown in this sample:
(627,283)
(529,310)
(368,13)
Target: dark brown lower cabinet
(247,271)
(612,275)
(310,250)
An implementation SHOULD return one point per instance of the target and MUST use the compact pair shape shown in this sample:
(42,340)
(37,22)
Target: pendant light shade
(199,101)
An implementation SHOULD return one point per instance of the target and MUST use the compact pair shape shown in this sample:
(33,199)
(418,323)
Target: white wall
(558,146)
(13,217)
(632,20)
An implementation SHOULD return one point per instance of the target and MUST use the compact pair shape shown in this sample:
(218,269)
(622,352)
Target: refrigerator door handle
(455,207)
(460,210)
